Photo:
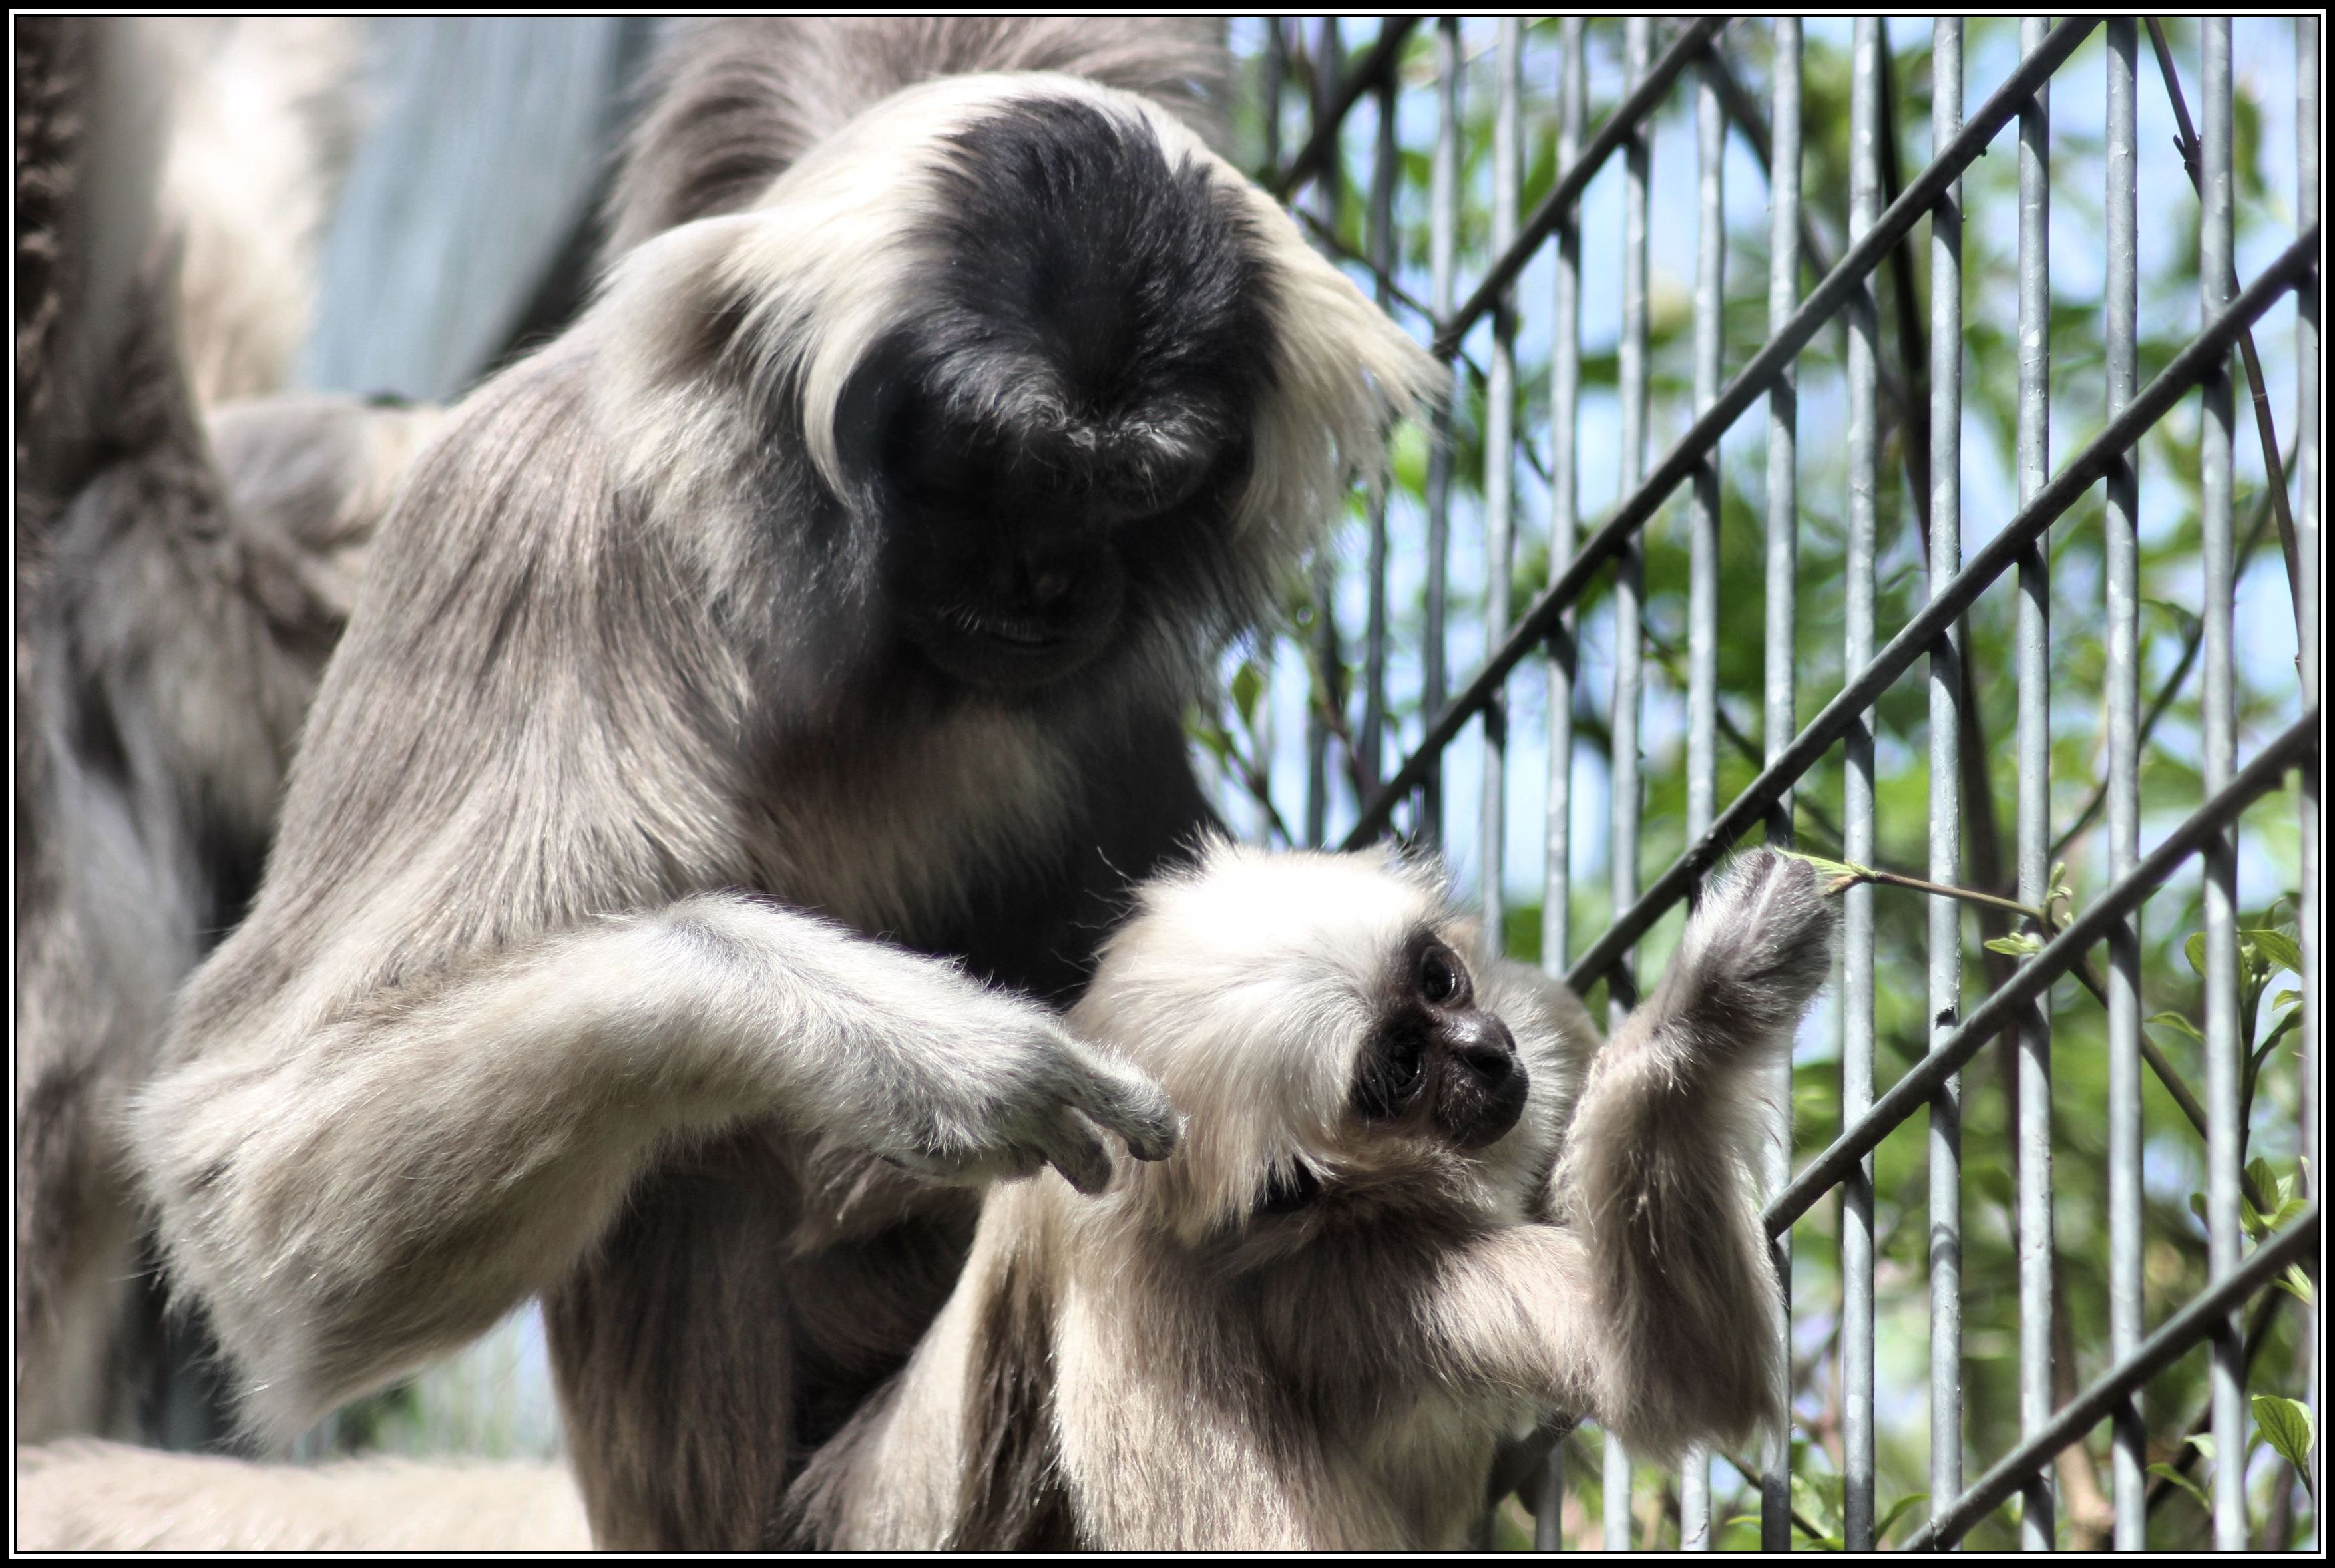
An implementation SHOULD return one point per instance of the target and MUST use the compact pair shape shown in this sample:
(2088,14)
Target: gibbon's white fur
(656,708)
(86,1495)
(182,570)
(1309,1327)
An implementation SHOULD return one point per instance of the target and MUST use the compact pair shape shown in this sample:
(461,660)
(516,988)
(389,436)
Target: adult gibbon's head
(1338,1043)
(1029,378)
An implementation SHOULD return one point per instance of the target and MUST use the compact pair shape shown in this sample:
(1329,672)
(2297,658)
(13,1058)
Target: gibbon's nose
(1482,1044)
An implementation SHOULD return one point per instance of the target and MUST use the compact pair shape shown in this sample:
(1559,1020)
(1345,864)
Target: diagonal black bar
(2206,353)
(1383,58)
(2185,1329)
(1618,127)
(2293,747)
(1750,384)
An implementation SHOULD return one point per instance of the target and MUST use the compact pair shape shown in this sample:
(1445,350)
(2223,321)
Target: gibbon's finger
(1074,1147)
(1128,1103)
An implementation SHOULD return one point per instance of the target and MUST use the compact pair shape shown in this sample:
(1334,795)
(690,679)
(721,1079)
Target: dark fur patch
(1019,1502)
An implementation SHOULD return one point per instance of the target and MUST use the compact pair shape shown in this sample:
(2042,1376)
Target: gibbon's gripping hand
(1758,948)
(1005,1087)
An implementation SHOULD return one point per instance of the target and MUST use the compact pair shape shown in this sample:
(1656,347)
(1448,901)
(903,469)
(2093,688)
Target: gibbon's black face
(1057,442)
(1438,1062)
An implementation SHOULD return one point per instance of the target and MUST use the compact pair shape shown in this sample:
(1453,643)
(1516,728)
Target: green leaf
(2168,1473)
(2203,1443)
(2278,1030)
(1247,683)
(2197,1207)
(2297,1283)
(2286,1424)
(1843,873)
(1897,1512)
(1995,1183)
(2282,950)
(2174,1021)
(2018,945)
(2194,949)
(1810,1504)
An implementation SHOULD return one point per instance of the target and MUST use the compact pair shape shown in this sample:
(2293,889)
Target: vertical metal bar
(1563,505)
(2120,306)
(1563,513)
(1781,719)
(1945,934)
(1702,597)
(1629,589)
(2038,1515)
(1327,655)
(2307,132)
(1856,989)
(1443,223)
(1702,570)
(1276,71)
(1499,468)
(1276,67)
(1386,167)
(2224,1241)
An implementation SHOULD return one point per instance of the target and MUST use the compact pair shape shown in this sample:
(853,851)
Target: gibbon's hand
(1002,1087)
(1758,948)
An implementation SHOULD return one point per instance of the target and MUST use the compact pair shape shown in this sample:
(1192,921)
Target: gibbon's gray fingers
(94,1496)
(1671,1117)
(1372,1260)
(735,101)
(654,713)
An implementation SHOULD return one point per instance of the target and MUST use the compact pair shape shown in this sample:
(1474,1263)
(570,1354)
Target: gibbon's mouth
(1005,650)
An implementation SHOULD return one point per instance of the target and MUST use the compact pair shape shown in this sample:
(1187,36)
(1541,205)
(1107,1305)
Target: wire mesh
(1451,127)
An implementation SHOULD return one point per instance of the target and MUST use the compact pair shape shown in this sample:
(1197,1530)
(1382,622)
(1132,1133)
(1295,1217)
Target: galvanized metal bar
(1564,510)
(1564,507)
(1443,238)
(1499,467)
(2224,1136)
(2201,1319)
(1945,933)
(1749,385)
(1386,169)
(1702,594)
(2292,747)
(2120,307)
(1857,1041)
(2039,1510)
(2077,476)
(2312,648)
(1328,187)
(1781,669)
(1629,617)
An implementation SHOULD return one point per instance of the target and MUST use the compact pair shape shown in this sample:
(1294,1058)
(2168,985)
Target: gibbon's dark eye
(1439,975)
(1404,1064)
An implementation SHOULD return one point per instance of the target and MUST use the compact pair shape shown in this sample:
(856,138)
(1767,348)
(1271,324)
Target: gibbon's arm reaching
(1391,1236)
(695,600)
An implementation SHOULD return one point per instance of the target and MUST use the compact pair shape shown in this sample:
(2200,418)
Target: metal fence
(1376,116)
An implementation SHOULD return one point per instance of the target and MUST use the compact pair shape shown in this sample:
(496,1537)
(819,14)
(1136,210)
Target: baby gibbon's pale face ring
(1436,1061)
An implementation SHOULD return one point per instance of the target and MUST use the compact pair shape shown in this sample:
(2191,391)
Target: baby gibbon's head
(1338,1044)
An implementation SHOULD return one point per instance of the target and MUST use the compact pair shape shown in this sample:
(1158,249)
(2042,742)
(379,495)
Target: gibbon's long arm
(490,975)
(1657,1171)
(1643,1308)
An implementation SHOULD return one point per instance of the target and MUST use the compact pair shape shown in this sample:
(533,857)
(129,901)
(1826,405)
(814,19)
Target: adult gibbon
(1403,1224)
(820,608)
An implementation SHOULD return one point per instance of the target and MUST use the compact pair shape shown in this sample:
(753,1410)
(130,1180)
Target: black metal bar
(1750,384)
(2291,749)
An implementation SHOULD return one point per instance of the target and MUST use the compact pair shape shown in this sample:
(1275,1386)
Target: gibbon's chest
(1430,1468)
(888,825)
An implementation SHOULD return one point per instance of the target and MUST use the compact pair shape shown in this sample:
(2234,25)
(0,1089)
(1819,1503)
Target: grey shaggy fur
(602,952)
(733,102)
(1330,1368)
(180,581)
